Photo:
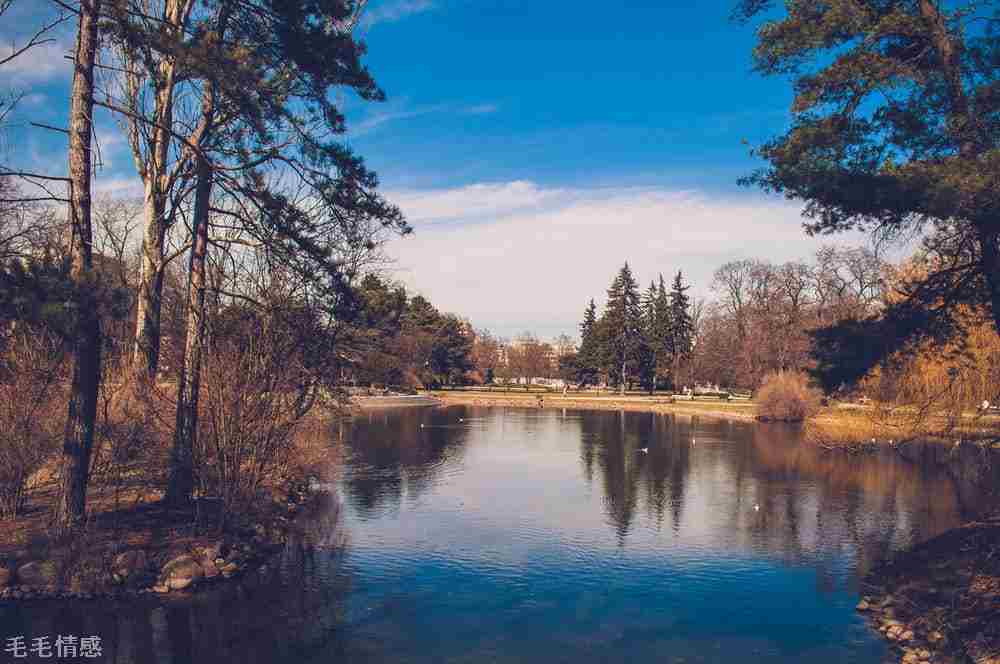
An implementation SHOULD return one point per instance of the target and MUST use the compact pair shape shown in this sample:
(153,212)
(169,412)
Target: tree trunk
(79,433)
(989,243)
(181,484)
(146,348)
(621,389)
(149,298)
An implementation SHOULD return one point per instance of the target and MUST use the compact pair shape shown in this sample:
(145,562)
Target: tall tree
(623,316)
(86,348)
(659,337)
(681,325)
(896,129)
(588,358)
(263,80)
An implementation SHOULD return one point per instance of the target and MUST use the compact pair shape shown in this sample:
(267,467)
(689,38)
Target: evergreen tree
(660,338)
(625,342)
(588,363)
(681,326)
(648,358)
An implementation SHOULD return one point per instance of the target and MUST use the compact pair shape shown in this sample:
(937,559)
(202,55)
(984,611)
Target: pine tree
(681,326)
(625,342)
(661,338)
(651,339)
(588,358)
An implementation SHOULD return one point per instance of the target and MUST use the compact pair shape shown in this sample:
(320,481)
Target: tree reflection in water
(494,525)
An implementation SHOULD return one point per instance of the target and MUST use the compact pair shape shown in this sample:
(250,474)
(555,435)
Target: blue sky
(535,146)
(566,93)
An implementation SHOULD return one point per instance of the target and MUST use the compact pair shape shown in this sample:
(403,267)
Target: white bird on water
(756,507)
(644,450)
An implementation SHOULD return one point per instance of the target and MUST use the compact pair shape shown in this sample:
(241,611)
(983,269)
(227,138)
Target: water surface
(512,535)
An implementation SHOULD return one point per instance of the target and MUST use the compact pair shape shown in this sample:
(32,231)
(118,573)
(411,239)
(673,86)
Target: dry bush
(256,390)
(32,411)
(787,396)
(131,438)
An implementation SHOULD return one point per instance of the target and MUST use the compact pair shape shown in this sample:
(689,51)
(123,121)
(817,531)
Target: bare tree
(86,347)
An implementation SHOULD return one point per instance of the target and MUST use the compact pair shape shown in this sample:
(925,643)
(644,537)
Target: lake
(511,535)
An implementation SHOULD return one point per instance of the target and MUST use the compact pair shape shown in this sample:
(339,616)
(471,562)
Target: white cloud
(516,255)
(481,109)
(377,118)
(119,187)
(39,63)
(394,10)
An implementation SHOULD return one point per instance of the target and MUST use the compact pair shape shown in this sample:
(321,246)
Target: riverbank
(730,410)
(856,428)
(134,544)
(940,601)
(394,401)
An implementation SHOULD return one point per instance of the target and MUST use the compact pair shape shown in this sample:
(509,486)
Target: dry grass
(787,396)
(858,428)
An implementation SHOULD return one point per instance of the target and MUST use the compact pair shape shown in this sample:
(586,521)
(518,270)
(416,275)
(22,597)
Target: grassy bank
(857,428)
(735,410)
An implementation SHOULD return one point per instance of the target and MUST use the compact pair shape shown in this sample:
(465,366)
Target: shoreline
(376,403)
(940,600)
(742,411)
(181,564)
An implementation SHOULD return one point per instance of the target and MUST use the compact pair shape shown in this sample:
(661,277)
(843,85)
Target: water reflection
(390,457)
(471,534)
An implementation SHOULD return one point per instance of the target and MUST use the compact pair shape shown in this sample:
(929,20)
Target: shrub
(787,396)
(32,406)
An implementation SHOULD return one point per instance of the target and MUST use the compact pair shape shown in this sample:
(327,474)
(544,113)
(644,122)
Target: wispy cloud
(517,255)
(481,109)
(378,118)
(394,10)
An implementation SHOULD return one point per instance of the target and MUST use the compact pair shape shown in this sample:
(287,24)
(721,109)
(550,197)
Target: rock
(213,551)
(906,636)
(935,637)
(888,601)
(158,588)
(911,658)
(924,654)
(6,576)
(129,564)
(863,606)
(180,573)
(209,568)
(38,574)
(893,632)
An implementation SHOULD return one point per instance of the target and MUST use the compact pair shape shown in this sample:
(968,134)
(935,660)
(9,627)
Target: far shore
(730,410)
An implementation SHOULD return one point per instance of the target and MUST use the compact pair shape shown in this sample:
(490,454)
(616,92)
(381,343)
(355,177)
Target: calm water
(504,535)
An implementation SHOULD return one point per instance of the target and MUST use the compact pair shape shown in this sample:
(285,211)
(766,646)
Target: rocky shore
(940,601)
(136,571)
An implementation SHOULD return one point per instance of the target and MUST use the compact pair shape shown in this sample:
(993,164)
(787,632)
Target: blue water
(503,535)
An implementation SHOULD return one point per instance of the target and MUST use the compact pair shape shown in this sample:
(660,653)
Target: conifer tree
(588,358)
(623,315)
(681,324)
